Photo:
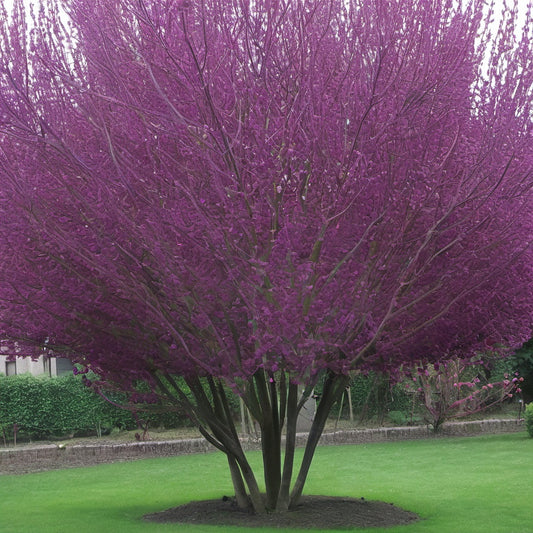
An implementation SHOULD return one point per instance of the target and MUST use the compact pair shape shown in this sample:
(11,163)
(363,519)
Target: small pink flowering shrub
(529,419)
(458,388)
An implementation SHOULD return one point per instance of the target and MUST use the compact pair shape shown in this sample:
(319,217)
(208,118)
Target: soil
(314,512)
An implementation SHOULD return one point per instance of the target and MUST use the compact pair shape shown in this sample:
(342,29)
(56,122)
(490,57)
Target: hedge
(38,407)
(529,419)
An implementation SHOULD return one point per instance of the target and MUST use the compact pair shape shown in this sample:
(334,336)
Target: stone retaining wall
(48,457)
(453,429)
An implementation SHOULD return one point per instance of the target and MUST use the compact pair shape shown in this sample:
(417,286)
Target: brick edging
(52,456)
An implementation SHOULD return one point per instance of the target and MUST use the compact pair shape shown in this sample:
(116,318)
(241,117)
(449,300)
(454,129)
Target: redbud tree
(197,195)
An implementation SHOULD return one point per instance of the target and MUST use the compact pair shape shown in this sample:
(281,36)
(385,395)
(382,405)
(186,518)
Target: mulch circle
(314,512)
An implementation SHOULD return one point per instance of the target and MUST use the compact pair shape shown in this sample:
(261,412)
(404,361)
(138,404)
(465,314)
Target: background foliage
(522,362)
(529,419)
(44,407)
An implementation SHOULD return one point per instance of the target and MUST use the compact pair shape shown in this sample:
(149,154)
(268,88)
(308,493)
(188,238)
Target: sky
(522,4)
(499,6)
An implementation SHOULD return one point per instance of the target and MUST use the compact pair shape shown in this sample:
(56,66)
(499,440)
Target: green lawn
(460,485)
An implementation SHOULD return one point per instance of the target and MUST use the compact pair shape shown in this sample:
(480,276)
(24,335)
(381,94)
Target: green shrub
(373,396)
(166,415)
(398,418)
(529,419)
(41,407)
(404,418)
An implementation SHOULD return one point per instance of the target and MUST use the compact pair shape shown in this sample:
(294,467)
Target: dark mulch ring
(314,512)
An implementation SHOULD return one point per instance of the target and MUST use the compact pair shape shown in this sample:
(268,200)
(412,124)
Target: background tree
(255,193)
(457,388)
(522,362)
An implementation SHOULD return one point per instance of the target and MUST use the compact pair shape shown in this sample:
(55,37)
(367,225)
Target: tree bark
(217,416)
(290,445)
(270,438)
(215,420)
(241,496)
(333,388)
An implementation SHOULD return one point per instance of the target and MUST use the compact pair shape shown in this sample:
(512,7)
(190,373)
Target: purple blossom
(211,191)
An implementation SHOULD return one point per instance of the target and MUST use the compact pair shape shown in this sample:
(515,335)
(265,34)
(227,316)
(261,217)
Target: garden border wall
(52,456)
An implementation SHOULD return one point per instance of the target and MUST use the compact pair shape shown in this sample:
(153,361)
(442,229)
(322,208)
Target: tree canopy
(257,192)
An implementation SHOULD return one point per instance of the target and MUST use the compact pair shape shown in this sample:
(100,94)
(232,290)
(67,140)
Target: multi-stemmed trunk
(274,402)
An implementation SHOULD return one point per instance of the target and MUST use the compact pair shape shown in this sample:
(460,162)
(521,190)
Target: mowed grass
(459,485)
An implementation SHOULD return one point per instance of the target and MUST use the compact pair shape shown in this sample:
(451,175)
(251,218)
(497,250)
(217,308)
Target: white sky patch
(499,8)
(522,7)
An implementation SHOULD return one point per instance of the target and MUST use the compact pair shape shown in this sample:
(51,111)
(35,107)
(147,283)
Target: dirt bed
(314,512)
